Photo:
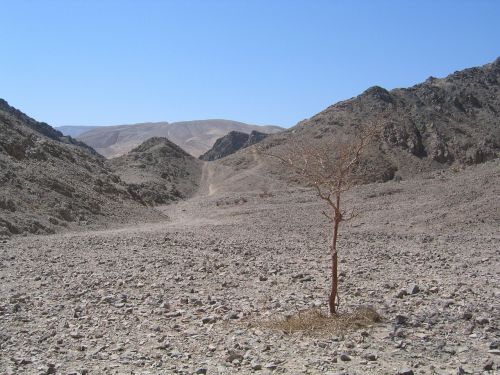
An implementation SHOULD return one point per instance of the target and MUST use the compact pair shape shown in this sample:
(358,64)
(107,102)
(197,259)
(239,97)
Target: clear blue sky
(103,62)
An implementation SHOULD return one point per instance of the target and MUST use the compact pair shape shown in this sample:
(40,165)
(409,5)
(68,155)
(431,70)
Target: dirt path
(206,180)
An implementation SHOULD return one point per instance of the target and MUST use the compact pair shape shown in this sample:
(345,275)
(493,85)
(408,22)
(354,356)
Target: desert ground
(198,293)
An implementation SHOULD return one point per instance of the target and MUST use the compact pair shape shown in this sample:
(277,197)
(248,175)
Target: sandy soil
(191,295)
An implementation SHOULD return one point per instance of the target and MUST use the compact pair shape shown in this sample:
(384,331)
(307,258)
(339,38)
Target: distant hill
(437,124)
(232,142)
(74,131)
(49,181)
(158,171)
(195,137)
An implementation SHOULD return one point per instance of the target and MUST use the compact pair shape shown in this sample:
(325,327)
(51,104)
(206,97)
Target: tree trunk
(335,278)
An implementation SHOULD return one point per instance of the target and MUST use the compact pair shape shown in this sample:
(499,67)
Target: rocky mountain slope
(232,142)
(158,171)
(437,124)
(41,127)
(195,137)
(49,181)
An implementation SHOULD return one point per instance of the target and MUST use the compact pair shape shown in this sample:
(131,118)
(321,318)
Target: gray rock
(401,319)
(255,365)
(271,366)
(488,366)
(413,289)
(234,356)
(51,368)
(344,357)
(371,356)
(209,320)
(482,320)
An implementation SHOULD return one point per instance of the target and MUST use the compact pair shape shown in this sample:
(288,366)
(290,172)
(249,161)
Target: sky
(108,62)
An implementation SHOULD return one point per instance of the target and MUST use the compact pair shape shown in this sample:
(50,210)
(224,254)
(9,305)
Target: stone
(271,366)
(208,320)
(401,294)
(488,366)
(344,357)
(255,365)
(406,371)
(234,356)
(401,319)
(482,320)
(413,289)
(51,368)
(371,356)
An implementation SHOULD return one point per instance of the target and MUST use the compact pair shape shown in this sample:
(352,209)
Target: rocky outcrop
(231,143)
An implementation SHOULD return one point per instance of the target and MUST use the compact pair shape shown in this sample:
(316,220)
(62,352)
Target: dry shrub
(231,202)
(315,321)
(266,194)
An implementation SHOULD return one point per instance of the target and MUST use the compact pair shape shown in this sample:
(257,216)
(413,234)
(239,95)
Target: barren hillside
(437,124)
(158,171)
(48,182)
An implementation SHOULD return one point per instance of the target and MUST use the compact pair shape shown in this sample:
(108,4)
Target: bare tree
(331,168)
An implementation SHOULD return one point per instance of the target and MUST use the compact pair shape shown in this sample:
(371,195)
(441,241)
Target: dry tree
(331,168)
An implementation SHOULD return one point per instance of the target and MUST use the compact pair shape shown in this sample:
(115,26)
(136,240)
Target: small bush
(266,194)
(231,202)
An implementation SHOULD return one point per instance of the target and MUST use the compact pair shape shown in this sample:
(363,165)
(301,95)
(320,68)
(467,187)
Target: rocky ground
(194,294)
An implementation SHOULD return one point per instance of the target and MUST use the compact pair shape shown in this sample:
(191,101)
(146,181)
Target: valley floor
(192,295)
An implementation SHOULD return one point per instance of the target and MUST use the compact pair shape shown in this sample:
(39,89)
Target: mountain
(49,181)
(232,142)
(74,131)
(437,124)
(158,171)
(195,137)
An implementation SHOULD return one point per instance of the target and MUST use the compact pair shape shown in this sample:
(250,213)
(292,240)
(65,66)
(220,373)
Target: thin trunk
(335,278)
(335,281)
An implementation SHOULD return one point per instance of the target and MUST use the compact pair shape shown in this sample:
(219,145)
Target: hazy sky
(103,62)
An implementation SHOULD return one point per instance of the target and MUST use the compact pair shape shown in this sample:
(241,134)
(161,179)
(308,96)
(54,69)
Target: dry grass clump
(318,322)
(266,194)
(230,202)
